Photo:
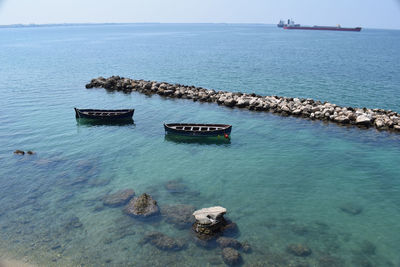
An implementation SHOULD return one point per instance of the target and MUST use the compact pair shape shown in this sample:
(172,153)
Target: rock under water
(118,198)
(231,256)
(163,242)
(179,215)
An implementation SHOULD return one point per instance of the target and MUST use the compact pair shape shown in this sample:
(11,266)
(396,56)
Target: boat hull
(191,129)
(104,115)
(320,28)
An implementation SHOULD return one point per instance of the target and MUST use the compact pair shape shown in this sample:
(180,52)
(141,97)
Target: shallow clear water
(282,179)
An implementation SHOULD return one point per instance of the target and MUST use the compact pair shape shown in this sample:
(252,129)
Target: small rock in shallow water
(215,261)
(142,206)
(299,229)
(351,208)
(118,198)
(246,247)
(225,242)
(230,229)
(330,261)
(231,256)
(175,186)
(77,180)
(73,222)
(98,208)
(162,241)
(367,247)
(300,250)
(98,182)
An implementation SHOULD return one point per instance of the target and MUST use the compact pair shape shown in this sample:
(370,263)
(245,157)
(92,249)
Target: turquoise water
(282,179)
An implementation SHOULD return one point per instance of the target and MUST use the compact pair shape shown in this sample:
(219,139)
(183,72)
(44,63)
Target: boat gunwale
(104,113)
(222,127)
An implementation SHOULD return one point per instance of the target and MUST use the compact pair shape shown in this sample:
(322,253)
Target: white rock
(209,215)
(363,120)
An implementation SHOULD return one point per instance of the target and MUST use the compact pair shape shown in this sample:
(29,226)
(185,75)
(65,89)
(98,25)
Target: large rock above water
(142,206)
(118,198)
(210,222)
(210,215)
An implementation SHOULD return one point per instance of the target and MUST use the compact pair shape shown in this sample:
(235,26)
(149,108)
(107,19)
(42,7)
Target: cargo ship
(292,26)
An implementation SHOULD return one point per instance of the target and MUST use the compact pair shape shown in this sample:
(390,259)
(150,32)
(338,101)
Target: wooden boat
(104,114)
(199,130)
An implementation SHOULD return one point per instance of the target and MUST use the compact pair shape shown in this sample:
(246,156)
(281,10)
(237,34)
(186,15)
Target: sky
(365,13)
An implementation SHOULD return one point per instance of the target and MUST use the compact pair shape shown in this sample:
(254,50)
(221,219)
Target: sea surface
(283,180)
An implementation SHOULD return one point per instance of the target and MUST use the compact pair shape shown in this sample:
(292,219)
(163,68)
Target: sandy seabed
(13,263)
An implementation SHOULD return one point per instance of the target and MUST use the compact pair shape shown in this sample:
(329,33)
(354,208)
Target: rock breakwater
(288,106)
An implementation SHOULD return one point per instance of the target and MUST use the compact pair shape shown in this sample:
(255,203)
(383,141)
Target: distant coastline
(33,25)
(77,24)
(39,25)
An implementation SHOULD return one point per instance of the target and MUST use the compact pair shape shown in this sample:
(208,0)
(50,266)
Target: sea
(331,191)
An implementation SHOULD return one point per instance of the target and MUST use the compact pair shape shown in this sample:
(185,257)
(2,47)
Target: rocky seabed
(288,106)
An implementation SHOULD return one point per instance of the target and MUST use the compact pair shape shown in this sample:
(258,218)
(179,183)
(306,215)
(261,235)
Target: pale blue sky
(365,13)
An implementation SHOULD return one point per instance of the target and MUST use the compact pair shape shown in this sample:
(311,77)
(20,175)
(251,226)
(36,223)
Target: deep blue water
(282,179)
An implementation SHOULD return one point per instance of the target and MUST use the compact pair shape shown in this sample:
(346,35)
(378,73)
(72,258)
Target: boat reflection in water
(93,122)
(214,140)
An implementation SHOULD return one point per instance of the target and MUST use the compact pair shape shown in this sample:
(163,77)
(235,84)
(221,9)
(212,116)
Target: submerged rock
(231,256)
(180,215)
(73,222)
(77,181)
(246,247)
(300,250)
(225,242)
(230,228)
(175,186)
(351,208)
(118,198)
(142,206)
(163,242)
(368,248)
(99,182)
(330,261)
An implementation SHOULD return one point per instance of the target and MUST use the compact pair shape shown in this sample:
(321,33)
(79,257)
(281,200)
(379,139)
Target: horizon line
(21,25)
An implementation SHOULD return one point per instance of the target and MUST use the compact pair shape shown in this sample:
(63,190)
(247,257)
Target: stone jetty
(308,108)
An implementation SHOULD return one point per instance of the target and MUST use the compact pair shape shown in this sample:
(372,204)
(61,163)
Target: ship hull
(318,28)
